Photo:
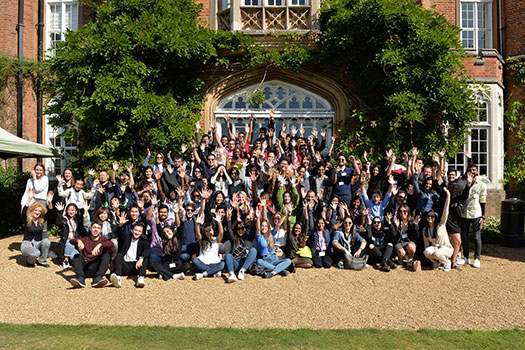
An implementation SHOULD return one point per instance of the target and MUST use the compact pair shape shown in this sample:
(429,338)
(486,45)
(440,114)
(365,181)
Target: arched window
(292,106)
(478,140)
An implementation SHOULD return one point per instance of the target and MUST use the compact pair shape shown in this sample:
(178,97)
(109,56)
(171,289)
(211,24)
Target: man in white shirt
(133,255)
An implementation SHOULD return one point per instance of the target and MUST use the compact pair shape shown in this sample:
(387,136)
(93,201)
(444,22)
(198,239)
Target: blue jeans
(70,251)
(210,269)
(155,258)
(244,263)
(273,263)
(188,250)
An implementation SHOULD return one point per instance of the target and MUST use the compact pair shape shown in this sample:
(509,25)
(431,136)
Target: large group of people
(256,202)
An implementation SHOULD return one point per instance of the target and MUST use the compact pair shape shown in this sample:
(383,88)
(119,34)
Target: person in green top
(288,199)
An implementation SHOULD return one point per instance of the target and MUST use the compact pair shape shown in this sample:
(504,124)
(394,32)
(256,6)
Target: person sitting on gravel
(132,258)
(347,240)
(208,263)
(36,243)
(380,244)
(437,244)
(94,257)
(72,224)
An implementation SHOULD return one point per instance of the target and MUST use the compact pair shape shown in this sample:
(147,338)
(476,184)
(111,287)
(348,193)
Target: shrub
(12,186)
(490,232)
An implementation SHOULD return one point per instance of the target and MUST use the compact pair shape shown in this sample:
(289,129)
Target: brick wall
(8,22)
(486,67)
(447,8)
(514,19)
(204,14)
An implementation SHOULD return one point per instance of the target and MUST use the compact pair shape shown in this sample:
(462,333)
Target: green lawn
(122,337)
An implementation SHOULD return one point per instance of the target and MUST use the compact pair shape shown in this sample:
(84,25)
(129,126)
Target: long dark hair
(170,246)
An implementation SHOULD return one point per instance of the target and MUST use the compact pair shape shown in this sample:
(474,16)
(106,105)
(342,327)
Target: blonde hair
(29,216)
(268,234)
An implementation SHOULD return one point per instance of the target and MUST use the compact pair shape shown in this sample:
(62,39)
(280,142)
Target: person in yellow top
(473,213)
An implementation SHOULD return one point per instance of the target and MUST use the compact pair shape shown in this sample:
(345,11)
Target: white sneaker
(65,264)
(218,274)
(341,264)
(464,261)
(477,263)
(179,276)
(116,281)
(140,282)
(198,276)
(240,275)
(448,265)
(232,278)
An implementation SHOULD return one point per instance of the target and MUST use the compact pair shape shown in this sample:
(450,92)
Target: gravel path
(492,297)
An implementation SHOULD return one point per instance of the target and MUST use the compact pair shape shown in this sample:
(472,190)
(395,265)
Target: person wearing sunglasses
(158,165)
(347,241)
(438,248)
(407,236)
(243,253)
(380,245)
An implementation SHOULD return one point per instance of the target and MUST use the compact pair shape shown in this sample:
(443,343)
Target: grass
(126,337)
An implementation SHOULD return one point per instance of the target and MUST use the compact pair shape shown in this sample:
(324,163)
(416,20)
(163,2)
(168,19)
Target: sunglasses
(376,222)
(190,210)
(403,211)
(348,222)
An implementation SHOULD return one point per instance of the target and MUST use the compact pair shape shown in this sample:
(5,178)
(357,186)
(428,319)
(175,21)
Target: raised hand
(183,148)
(90,172)
(293,131)
(158,175)
(198,126)
(130,167)
(122,219)
(388,218)
(49,196)
(247,129)
(405,157)
(415,152)
(271,114)
(314,132)
(59,206)
(60,179)
(323,134)
(442,152)
(154,200)
(115,166)
(301,131)
(391,180)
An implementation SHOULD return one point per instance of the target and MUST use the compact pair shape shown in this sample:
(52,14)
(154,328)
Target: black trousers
(95,268)
(322,261)
(166,271)
(377,255)
(465,225)
(124,268)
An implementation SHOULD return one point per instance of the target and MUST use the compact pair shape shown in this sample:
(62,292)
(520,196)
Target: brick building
(490,31)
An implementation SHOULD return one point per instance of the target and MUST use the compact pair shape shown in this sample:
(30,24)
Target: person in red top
(94,257)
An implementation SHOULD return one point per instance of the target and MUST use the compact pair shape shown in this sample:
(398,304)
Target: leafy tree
(515,120)
(405,64)
(131,80)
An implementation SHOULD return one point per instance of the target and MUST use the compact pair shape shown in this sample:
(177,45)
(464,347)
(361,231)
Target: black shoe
(291,268)
(392,264)
(284,273)
(78,283)
(99,282)
(267,275)
(385,267)
(43,264)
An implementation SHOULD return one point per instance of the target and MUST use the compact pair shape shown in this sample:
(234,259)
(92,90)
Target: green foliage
(131,80)
(256,97)
(490,232)
(9,68)
(515,120)
(12,187)
(396,57)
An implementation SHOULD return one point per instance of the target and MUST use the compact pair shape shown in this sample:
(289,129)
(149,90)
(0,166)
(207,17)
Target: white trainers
(140,282)
(198,276)
(464,261)
(65,264)
(477,263)
(240,275)
(218,274)
(179,276)
(448,265)
(232,278)
(116,281)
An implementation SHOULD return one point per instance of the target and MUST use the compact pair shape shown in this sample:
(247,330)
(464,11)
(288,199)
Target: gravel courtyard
(490,298)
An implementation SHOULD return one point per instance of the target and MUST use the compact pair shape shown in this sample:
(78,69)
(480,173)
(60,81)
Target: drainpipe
(40,54)
(20,87)
(500,30)
(93,13)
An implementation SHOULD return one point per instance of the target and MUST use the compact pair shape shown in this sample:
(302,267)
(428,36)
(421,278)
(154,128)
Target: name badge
(172,265)
(340,183)
(404,236)
(343,173)
(323,253)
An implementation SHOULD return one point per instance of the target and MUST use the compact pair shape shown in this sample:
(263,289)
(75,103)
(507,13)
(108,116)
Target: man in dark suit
(133,255)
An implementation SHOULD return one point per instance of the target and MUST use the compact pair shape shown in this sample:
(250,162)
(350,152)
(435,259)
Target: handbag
(355,263)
